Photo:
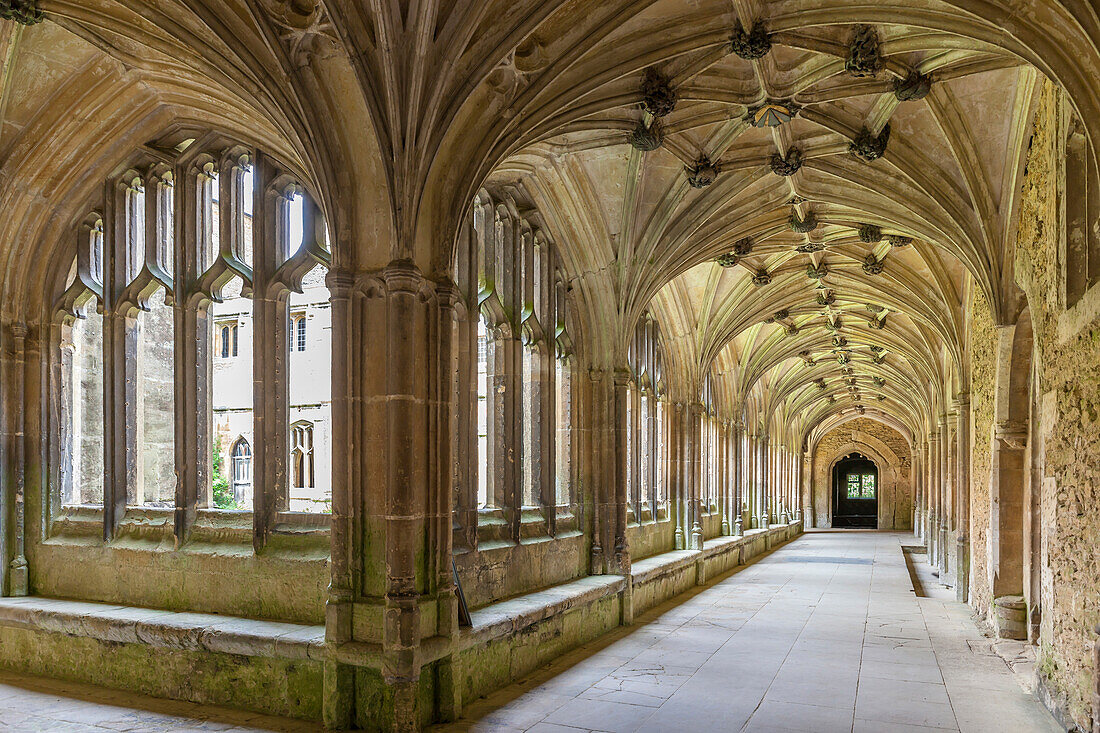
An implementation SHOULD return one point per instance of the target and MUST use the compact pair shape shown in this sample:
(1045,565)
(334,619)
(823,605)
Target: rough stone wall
(1069,389)
(982,343)
(895,490)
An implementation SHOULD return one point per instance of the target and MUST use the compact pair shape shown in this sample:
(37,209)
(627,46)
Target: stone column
(14,458)
(764,482)
(932,517)
(962,499)
(1007,508)
(738,479)
(695,466)
(945,498)
(677,472)
(725,494)
(392,505)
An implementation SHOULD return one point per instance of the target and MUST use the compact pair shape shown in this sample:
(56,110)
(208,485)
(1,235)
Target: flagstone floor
(825,634)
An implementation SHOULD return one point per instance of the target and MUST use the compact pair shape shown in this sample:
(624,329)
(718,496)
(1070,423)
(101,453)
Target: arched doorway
(855,492)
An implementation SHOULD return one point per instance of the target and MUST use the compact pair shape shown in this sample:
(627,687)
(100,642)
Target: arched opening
(1011,523)
(855,492)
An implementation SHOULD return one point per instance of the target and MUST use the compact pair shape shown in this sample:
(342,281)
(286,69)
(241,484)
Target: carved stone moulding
(864,58)
(750,45)
(913,87)
(742,246)
(786,165)
(771,114)
(728,260)
(870,233)
(826,298)
(702,172)
(658,96)
(872,265)
(820,383)
(646,138)
(802,226)
(898,240)
(21,11)
(868,147)
(817,272)
(790,329)
(809,247)
(761,277)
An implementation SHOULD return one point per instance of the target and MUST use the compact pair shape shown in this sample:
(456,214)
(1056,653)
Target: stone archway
(893,463)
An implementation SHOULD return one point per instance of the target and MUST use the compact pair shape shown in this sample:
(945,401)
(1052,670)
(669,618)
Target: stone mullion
(635,456)
(270,390)
(512,432)
(651,455)
(119,385)
(548,386)
(498,416)
(466,457)
(962,498)
(191,368)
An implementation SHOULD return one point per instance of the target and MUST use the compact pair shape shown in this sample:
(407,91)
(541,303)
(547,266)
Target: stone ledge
(505,617)
(165,629)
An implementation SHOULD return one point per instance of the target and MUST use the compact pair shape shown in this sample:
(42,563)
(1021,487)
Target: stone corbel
(1012,434)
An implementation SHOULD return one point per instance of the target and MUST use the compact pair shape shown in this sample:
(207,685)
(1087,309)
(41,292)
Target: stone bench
(165,629)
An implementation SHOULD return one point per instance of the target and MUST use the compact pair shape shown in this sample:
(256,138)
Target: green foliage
(223,492)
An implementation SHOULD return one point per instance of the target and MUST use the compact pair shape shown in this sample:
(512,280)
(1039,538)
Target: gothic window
(301,462)
(647,484)
(300,333)
(228,339)
(81,371)
(177,250)
(242,469)
(510,476)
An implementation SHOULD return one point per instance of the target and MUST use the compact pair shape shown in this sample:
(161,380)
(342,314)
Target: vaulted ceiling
(398,112)
(834,286)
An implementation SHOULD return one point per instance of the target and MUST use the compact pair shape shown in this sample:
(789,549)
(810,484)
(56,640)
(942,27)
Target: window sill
(1080,316)
(295,534)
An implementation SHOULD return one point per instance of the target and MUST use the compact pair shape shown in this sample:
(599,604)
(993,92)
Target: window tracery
(647,489)
(514,380)
(177,302)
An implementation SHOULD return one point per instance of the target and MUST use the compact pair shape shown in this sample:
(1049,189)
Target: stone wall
(887,448)
(1067,348)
